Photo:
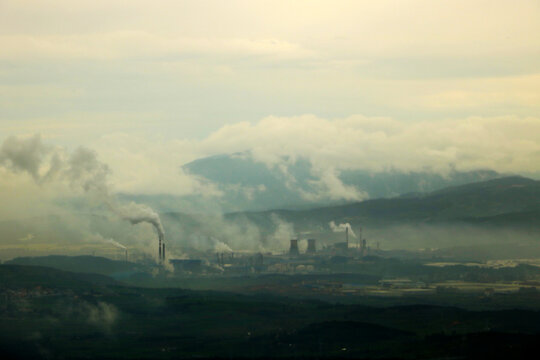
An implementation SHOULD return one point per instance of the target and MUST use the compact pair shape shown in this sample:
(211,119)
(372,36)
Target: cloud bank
(507,144)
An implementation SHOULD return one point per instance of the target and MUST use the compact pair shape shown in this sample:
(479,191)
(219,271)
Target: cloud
(80,170)
(32,182)
(503,143)
(386,27)
(144,166)
(507,144)
(141,44)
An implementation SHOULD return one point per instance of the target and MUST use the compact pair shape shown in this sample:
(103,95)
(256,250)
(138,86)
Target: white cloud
(505,144)
(136,82)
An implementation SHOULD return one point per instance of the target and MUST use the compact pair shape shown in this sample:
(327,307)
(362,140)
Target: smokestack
(293,251)
(126,255)
(359,241)
(364,247)
(311,247)
(163,252)
(159,247)
(347,236)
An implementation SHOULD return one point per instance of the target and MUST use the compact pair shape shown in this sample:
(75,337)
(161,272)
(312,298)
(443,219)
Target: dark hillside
(82,264)
(513,199)
(18,277)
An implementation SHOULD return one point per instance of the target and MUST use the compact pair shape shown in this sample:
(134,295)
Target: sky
(150,86)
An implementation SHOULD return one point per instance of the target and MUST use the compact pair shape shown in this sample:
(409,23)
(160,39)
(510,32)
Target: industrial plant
(304,255)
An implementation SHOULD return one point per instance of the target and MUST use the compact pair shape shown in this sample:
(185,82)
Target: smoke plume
(116,243)
(341,228)
(81,170)
(24,155)
(137,213)
(221,247)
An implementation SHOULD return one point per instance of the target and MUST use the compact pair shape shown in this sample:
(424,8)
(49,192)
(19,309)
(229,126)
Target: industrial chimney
(293,251)
(163,251)
(347,236)
(364,247)
(159,247)
(311,247)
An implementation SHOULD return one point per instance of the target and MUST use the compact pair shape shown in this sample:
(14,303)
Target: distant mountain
(509,200)
(498,211)
(251,185)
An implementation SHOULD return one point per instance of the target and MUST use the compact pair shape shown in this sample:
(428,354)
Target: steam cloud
(221,247)
(116,243)
(341,228)
(137,213)
(81,170)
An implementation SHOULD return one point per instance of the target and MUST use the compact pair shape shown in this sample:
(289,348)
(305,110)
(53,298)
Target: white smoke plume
(284,232)
(341,228)
(221,247)
(137,213)
(116,243)
(100,238)
(81,170)
(24,155)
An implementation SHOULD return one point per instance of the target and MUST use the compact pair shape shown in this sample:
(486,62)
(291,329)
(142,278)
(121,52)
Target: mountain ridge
(249,184)
(488,199)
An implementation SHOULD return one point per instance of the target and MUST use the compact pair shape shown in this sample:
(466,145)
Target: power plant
(317,255)
(293,250)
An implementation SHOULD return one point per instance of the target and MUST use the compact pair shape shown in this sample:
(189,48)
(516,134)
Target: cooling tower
(311,246)
(293,251)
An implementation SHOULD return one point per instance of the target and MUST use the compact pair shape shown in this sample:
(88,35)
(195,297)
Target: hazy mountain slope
(489,199)
(248,184)
(496,211)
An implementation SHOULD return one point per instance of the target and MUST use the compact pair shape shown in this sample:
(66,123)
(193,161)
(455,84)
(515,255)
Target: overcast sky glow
(157,84)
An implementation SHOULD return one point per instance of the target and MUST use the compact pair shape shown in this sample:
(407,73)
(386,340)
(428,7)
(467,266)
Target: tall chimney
(159,246)
(293,250)
(364,247)
(347,236)
(359,241)
(126,255)
(311,247)
(163,251)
